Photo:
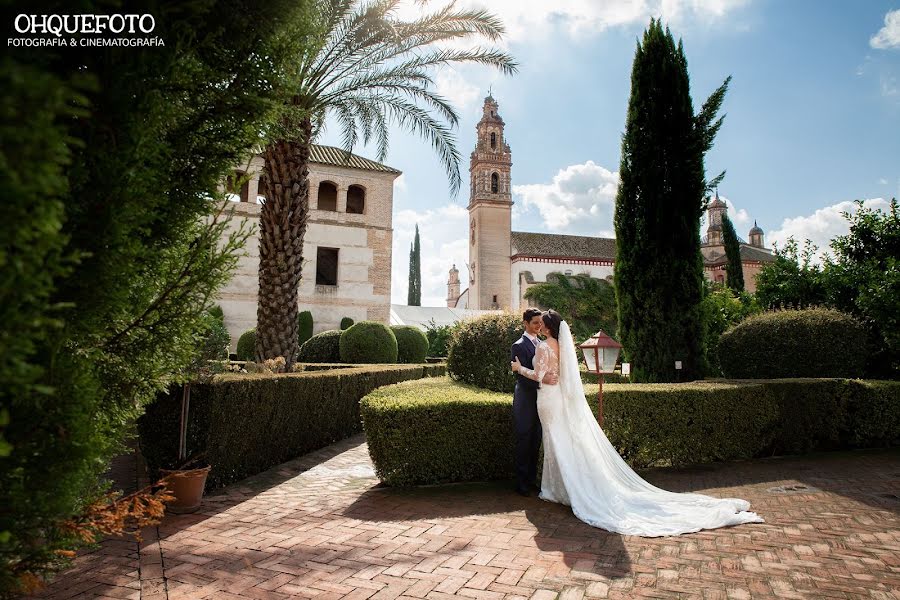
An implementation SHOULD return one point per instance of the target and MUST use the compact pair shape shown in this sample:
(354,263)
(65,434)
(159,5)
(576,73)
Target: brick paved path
(320,527)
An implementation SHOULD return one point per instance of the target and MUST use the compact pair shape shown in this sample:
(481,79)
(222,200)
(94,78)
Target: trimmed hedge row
(324,347)
(245,424)
(439,431)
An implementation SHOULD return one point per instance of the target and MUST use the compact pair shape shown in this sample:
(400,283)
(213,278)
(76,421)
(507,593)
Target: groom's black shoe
(523,491)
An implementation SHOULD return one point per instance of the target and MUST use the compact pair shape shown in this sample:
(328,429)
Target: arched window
(242,190)
(493,141)
(263,187)
(356,199)
(495,183)
(327,196)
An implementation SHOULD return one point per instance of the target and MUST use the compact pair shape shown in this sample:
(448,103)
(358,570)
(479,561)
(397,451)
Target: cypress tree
(414,295)
(733,253)
(659,268)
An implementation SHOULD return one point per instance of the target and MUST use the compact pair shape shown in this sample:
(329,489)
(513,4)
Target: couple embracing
(581,468)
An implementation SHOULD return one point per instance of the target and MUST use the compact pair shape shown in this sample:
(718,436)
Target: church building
(503,263)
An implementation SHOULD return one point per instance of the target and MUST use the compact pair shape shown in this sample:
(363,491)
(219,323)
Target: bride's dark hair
(552,321)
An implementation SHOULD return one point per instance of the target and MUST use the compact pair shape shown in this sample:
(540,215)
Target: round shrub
(479,351)
(304,326)
(346,323)
(246,346)
(215,340)
(412,345)
(794,343)
(324,347)
(368,342)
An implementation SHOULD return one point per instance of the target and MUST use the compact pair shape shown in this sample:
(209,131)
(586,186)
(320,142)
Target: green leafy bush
(480,349)
(245,424)
(412,345)
(323,347)
(438,338)
(246,346)
(217,313)
(794,343)
(215,341)
(722,309)
(439,430)
(304,326)
(368,342)
(346,323)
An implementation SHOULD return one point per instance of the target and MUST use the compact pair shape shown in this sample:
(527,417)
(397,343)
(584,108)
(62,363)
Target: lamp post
(600,355)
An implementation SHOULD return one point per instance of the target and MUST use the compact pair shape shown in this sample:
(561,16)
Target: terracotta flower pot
(187,487)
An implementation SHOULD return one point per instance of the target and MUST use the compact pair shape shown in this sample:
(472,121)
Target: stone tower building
(490,214)
(453,287)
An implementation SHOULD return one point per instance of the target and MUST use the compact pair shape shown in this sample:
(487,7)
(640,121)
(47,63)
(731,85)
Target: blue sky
(813,118)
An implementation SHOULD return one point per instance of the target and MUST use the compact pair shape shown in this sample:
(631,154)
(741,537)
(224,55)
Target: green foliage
(863,279)
(587,304)
(794,343)
(245,424)
(722,309)
(438,430)
(368,342)
(793,280)
(246,346)
(414,295)
(479,351)
(346,322)
(735,268)
(217,313)
(304,326)
(658,207)
(215,340)
(323,347)
(113,247)
(412,345)
(438,338)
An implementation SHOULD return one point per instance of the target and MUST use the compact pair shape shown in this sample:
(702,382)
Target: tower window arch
(327,196)
(493,141)
(495,183)
(356,199)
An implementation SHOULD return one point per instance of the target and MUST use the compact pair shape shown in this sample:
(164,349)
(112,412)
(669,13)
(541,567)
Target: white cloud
(443,241)
(889,35)
(579,200)
(462,94)
(883,181)
(400,185)
(820,227)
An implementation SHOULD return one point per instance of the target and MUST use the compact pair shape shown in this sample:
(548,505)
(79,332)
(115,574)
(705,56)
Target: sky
(812,119)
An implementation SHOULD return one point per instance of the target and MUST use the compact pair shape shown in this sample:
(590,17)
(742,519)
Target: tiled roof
(329,155)
(748,253)
(571,246)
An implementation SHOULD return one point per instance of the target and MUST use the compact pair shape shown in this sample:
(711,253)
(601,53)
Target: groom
(525,416)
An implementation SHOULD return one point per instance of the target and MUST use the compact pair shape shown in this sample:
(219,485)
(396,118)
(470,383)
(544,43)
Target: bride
(583,470)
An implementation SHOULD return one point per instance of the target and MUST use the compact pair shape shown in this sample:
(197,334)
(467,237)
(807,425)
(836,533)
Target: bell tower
(490,214)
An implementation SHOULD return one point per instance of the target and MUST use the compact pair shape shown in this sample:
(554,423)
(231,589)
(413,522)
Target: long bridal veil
(604,491)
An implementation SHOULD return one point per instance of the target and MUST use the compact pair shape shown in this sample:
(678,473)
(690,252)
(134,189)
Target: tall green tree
(735,269)
(586,303)
(414,295)
(115,242)
(368,69)
(659,268)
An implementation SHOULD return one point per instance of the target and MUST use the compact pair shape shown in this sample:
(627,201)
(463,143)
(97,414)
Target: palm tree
(368,69)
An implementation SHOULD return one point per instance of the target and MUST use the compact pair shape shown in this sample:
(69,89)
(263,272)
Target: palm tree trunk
(282,228)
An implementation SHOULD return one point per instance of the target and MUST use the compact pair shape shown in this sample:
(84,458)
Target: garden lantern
(600,355)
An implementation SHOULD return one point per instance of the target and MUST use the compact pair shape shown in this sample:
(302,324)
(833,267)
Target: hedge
(439,431)
(815,342)
(246,346)
(245,424)
(412,345)
(304,326)
(368,342)
(346,322)
(323,347)
(479,351)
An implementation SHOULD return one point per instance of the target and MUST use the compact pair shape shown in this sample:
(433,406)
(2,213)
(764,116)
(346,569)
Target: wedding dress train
(582,469)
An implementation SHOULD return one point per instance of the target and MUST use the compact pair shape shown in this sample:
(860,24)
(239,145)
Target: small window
(326,266)
(495,298)
(495,183)
(493,141)
(327,196)
(263,187)
(356,199)
(231,185)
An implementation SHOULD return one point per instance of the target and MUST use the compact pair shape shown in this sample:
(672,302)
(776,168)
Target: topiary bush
(815,342)
(216,340)
(346,323)
(479,351)
(438,338)
(368,342)
(304,326)
(323,347)
(412,345)
(246,346)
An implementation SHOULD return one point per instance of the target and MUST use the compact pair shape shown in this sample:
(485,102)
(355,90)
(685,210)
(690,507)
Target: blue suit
(525,417)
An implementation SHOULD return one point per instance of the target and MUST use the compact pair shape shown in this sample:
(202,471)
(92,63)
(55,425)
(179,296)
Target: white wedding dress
(583,470)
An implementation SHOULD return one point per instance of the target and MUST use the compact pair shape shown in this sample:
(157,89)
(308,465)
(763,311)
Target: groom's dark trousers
(525,417)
